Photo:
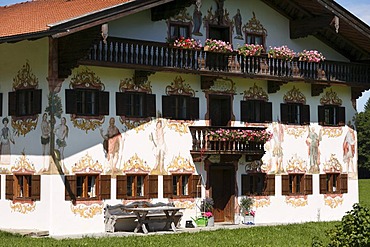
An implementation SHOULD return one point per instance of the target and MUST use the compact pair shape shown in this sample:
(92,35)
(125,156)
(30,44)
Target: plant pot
(201,221)
(248,220)
(211,221)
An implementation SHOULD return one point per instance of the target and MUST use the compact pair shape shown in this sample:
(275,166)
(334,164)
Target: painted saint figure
(349,145)
(61,133)
(313,142)
(160,147)
(197,18)
(238,25)
(45,138)
(5,139)
(277,151)
(111,144)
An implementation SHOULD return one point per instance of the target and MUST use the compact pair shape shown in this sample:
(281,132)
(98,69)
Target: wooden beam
(309,26)
(317,89)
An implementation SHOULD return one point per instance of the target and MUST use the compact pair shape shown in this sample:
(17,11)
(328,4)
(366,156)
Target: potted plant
(187,43)
(207,208)
(245,208)
(282,52)
(311,56)
(217,46)
(250,50)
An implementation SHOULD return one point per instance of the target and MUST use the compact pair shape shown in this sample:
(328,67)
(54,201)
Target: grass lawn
(284,235)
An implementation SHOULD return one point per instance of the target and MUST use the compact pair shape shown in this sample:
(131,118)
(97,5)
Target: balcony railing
(160,56)
(203,144)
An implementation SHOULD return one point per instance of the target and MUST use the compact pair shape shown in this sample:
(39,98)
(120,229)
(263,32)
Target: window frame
(249,108)
(31,101)
(172,109)
(300,116)
(338,115)
(341,183)
(249,184)
(13,187)
(102,187)
(292,180)
(150,184)
(148,106)
(194,186)
(178,25)
(253,37)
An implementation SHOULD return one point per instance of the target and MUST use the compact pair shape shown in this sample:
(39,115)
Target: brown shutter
(308,184)
(103,103)
(341,116)
(70,183)
(12,104)
(9,193)
(167,186)
(71,106)
(1,104)
(285,184)
(121,187)
(267,112)
(120,104)
(245,184)
(151,109)
(35,187)
(323,188)
(284,113)
(168,106)
(105,184)
(244,111)
(269,189)
(153,186)
(305,114)
(193,108)
(196,186)
(321,111)
(343,183)
(36,104)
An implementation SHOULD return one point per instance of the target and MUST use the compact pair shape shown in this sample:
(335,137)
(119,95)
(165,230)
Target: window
(23,187)
(258,184)
(87,102)
(296,184)
(135,105)
(331,115)
(181,185)
(136,186)
(256,39)
(87,187)
(295,113)
(180,107)
(24,102)
(179,29)
(219,33)
(333,183)
(256,111)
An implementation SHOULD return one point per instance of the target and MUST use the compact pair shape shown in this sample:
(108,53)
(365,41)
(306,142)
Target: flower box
(217,46)
(282,52)
(311,56)
(250,50)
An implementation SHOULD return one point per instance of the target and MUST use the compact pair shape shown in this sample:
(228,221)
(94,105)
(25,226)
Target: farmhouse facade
(109,102)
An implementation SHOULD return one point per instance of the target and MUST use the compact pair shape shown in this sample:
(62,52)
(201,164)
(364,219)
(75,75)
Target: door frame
(208,95)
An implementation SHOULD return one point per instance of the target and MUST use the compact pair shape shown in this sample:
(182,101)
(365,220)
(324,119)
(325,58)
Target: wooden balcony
(154,56)
(204,145)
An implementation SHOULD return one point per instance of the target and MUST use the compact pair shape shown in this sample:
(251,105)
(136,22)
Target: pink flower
(207,214)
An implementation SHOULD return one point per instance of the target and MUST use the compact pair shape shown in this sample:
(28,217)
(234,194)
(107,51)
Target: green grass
(283,235)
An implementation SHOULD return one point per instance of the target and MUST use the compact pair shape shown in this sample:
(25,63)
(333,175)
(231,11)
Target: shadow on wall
(363,173)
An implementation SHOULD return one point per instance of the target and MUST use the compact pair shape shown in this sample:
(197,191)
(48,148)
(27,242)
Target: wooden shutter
(244,106)
(12,104)
(121,187)
(321,111)
(103,103)
(305,114)
(308,184)
(267,112)
(168,106)
(151,109)
(341,116)
(70,183)
(120,104)
(193,108)
(9,193)
(323,188)
(36,103)
(104,184)
(343,183)
(285,184)
(35,187)
(167,186)
(245,184)
(1,104)
(152,186)
(196,186)
(71,106)
(269,189)
(284,113)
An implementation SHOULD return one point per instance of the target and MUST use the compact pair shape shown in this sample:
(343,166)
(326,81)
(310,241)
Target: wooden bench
(120,218)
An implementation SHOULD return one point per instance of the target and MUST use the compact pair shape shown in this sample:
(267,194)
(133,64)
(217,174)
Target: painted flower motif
(281,52)
(311,56)
(218,45)
(187,43)
(250,50)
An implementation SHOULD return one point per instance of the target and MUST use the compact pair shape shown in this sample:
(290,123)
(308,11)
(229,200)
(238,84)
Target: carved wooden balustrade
(204,144)
(147,55)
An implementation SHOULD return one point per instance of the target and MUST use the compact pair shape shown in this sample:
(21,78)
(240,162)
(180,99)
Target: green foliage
(362,122)
(245,204)
(364,188)
(354,229)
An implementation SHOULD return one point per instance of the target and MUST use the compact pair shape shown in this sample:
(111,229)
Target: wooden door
(222,190)
(219,110)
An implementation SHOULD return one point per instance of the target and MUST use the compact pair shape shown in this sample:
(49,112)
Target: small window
(181,185)
(180,107)
(135,105)
(137,186)
(87,187)
(23,187)
(295,113)
(333,183)
(256,111)
(25,102)
(219,33)
(331,115)
(296,184)
(179,29)
(87,102)
(256,39)
(258,184)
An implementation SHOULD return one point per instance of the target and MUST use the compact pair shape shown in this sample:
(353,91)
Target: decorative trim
(181,127)
(87,124)
(87,211)
(138,124)
(135,164)
(330,98)
(86,79)
(261,201)
(184,203)
(24,125)
(87,165)
(294,96)
(25,79)
(183,16)
(129,85)
(274,86)
(220,17)
(223,85)
(181,164)
(296,165)
(317,89)
(22,164)
(255,93)
(332,165)
(333,200)
(296,131)
(296,201)
(332,132)
(178,87)
(23,208)
(254,26)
